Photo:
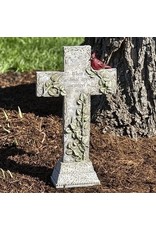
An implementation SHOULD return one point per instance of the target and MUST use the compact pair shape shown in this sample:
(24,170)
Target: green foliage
(78,130)
(101,74)
(33,53)
(53,86)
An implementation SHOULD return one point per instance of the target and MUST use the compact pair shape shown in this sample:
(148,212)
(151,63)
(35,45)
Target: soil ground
(30,145)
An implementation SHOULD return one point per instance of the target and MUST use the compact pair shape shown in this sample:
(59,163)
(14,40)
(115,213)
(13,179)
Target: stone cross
(77,83)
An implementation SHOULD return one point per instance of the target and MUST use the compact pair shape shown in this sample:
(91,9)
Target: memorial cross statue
(77,83)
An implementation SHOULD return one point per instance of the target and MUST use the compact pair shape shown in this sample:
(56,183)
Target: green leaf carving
(53,86)
(69,146)
(78,136)
(55,77)
(73,135)
(78,111)
(78,130)
(73,126)
(103,80)
(63,93)
(86,125)
(90,73)
(103,90)
(79,102)
(74,143)
(69,152)
(52,91)
(68,130)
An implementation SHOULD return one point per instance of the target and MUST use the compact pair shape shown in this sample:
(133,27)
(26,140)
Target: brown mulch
(30,145)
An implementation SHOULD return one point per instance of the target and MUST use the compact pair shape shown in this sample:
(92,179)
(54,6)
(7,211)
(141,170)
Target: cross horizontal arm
(49,84)
(91,82)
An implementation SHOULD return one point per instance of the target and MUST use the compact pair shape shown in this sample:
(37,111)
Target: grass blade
(5,115)
(3,173)
(20,113)
(8,131)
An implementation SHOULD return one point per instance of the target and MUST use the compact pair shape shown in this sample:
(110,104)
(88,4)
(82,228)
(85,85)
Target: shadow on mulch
(25,97)
(41,172)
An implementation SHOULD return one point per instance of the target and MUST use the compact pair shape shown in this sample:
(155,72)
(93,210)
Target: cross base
(74,174)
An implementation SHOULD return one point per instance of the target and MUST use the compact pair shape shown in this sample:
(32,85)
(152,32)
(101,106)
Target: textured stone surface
(76,84)
(74,174)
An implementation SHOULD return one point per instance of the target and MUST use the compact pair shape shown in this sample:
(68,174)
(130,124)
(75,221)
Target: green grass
(27,53)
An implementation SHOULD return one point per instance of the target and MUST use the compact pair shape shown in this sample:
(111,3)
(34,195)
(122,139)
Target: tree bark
(132,111)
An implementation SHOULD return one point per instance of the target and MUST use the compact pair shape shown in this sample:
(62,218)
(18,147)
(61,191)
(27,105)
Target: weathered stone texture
(77,83)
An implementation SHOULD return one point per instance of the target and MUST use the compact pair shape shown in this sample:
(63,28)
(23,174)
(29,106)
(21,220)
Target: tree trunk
(132,111)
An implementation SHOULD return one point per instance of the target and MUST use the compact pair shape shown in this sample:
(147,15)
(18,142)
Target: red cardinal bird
(97,64)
